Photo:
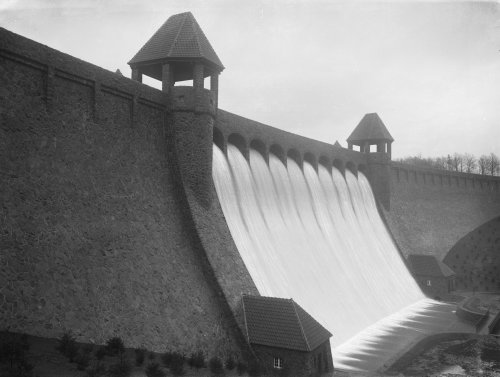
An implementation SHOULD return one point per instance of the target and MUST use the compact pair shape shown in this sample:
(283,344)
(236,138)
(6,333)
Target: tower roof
(282,323)
(372,128)
(180,38)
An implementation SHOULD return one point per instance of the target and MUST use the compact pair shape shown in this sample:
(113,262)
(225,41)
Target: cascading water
(317,237)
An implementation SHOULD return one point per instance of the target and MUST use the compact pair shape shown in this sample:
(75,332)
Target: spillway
(317,237)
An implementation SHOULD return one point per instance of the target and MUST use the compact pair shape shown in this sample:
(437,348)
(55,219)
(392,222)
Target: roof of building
(179,37)
(282,323)
(371,127)
(428,265)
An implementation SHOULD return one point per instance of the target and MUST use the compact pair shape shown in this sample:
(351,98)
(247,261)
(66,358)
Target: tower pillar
(167,77)
(136,74)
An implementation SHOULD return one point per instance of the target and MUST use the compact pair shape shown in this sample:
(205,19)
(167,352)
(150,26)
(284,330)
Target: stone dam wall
(96,234)
(431,210)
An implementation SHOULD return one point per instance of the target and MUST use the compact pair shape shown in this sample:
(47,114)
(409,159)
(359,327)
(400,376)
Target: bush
(154,370)
(67,346)
(177,363)
(254,369)
(140,354)
(241,367)
(115,346)
(100,353)
(121,369)
(166,358)
(215,365)
(230,363)
(23,369)
(197,360)
(82,360)
(96,370)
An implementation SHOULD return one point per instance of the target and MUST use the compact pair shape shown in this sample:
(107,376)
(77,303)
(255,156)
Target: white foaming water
(317,237)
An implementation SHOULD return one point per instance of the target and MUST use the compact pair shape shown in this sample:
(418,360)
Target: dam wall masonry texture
(110,224)
(432,209)
(96,234)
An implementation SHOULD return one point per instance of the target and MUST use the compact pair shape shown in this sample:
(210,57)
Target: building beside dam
(112,223)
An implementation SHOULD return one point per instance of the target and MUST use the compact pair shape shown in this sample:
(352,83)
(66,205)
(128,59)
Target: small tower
(178,51)
(371,131)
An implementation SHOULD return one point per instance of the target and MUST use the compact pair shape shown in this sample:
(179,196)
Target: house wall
(440,286)
(296,363)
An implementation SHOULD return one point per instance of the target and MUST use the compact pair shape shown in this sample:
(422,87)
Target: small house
(284,337)
(435,278)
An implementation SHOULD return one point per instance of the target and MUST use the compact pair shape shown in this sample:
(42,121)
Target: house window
(428,283)
(278,363)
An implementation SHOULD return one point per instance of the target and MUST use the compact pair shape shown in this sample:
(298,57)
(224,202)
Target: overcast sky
(430,70)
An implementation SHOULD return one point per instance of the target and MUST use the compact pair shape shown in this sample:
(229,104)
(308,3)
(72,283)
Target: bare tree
(494,164)
(469,162)
(457,162)
(483,164)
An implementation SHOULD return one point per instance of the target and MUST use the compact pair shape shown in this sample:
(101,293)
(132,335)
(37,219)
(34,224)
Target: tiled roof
(371,127)
(428,265)
(282,323)
(179,37)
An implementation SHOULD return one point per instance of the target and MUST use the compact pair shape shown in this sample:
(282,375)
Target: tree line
(486,164)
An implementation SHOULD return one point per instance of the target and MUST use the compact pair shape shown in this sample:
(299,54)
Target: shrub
(254,369)
(115,346)
(215,365)
(82,360)
(100,353)
(23,369)
(241,367)
(140,354)
(177,363)
(166,358)
(96,370)
(197,360)
(121,369)
(67,346)
(154,370)
(230,363)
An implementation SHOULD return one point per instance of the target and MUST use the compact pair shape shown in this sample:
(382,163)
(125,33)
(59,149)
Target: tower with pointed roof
(371,131)
(180,51)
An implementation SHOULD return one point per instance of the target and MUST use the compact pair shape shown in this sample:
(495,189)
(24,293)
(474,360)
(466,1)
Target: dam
(148,214)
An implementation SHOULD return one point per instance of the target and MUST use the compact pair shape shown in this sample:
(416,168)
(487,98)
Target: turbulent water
(317,237)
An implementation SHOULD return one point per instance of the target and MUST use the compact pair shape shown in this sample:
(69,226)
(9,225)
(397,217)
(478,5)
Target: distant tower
(179,51)
(371,131)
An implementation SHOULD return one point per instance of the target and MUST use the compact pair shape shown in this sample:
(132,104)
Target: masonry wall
(431,209)
(94,234)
